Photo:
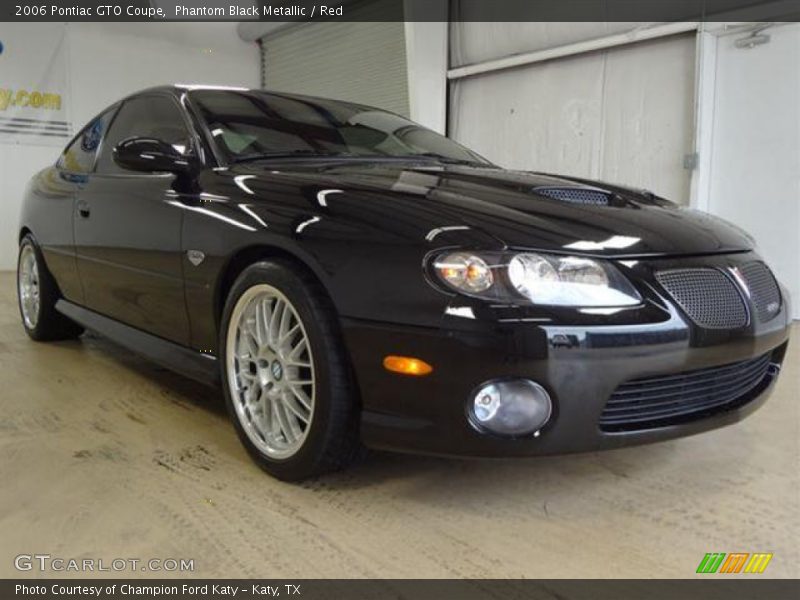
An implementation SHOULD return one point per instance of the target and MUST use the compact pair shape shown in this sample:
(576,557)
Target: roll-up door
(357,61)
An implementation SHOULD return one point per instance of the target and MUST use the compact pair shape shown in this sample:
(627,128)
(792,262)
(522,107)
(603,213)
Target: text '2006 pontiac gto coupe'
(351,278)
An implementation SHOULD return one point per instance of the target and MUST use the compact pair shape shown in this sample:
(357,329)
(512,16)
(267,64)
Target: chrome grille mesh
(708,297)
(764,289)
(679,397)
(575,195)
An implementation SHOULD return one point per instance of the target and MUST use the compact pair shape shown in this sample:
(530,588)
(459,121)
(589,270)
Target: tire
(37,294)
(293,429)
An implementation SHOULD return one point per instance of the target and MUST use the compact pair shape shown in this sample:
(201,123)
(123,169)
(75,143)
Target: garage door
(623,115)
(356,61)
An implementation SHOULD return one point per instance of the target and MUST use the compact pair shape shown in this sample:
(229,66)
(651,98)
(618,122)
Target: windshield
(250,125)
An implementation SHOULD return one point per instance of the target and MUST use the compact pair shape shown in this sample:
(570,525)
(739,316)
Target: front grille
(764,289)
(576,195)
(665,400)
(708,296)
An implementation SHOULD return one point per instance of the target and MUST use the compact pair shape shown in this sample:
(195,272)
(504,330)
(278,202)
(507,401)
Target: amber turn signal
(406,365)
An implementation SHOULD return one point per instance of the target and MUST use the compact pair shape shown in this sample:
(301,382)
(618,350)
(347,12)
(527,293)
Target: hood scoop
(577,195)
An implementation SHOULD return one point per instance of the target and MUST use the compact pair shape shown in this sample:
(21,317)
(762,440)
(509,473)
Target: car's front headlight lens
(544,279)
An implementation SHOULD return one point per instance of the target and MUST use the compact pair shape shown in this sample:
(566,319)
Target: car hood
(517,209)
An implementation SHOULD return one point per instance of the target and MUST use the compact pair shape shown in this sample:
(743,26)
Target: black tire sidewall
(309,305)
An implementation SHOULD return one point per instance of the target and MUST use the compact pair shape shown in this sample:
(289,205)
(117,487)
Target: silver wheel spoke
(291,429)
(248,349)
(297,363)
(302,398)
(252,396)
(286,337)
(277,421)
(266,417)
(298,349)
(286,430)
(260,323)
(283,325)
(293,405)
(275,319)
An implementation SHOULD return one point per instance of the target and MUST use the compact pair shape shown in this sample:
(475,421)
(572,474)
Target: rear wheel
(286,376)
(37,294)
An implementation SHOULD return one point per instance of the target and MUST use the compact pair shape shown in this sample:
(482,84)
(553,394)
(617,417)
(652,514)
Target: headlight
(536,278)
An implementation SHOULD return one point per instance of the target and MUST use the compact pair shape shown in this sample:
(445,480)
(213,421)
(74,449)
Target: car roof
(179,89)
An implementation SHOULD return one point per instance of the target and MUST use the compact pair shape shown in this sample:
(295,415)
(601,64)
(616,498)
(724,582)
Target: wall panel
(623,115)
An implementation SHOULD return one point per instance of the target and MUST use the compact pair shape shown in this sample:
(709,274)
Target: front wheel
(286,376)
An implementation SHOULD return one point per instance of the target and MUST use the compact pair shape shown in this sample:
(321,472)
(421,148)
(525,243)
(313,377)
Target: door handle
(83,209)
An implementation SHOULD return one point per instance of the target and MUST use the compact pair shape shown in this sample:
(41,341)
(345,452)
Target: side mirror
(150,155)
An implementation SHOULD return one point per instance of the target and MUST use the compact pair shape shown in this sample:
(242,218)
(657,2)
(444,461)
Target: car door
(56,189)
(127,233)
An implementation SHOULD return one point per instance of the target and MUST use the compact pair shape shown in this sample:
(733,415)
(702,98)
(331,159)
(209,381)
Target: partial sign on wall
(34,84)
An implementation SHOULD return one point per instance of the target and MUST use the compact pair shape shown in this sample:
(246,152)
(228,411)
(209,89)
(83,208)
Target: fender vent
(576,195)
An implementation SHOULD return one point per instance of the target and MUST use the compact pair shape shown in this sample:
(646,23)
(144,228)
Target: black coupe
(351,278)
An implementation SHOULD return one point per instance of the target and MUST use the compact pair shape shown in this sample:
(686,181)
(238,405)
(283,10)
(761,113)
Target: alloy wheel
(28,286)
(270,371)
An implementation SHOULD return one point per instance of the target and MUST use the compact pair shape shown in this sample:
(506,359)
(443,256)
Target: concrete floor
(104,455)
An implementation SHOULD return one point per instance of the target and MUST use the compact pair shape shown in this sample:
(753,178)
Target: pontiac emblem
(195,257)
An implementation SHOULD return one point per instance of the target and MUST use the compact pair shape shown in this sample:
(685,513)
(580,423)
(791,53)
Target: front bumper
(579,365)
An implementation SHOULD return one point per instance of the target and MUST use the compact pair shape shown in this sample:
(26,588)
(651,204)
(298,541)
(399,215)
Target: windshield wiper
(445,159)
(291,154)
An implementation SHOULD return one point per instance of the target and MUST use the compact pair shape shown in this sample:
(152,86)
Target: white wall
(108,61)
(426,60)
(755,146)
(623,115)
(476,41)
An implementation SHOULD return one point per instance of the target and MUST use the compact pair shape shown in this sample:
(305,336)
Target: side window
(80,154)
(146,116)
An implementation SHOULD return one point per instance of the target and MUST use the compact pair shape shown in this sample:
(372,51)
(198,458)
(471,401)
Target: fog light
(512,407)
